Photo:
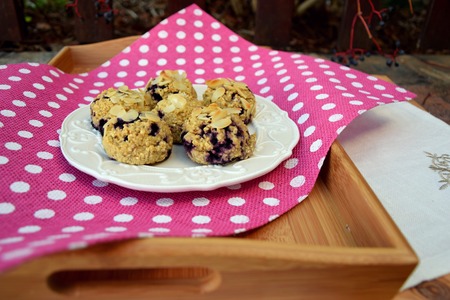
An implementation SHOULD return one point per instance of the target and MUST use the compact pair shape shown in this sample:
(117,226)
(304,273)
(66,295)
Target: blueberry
(154,129)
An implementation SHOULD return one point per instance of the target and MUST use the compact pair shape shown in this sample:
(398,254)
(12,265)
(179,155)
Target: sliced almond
(221,123)
(117,110)
(129,116)
(177,100)
(168,109)
(149,115)
(219,92)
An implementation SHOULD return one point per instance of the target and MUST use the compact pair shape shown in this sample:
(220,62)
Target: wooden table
(335,250)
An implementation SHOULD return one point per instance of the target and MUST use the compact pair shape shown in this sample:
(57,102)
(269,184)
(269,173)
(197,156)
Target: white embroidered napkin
(404,154)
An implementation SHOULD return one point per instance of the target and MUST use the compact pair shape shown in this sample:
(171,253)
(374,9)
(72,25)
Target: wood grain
(338,243)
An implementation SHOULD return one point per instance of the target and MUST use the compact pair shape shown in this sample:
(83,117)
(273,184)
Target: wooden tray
(339,243)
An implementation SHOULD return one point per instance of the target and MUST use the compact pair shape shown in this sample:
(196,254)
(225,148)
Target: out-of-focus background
(410,44)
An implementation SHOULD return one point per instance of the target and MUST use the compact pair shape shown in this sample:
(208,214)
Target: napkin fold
(403,153)
(46,205)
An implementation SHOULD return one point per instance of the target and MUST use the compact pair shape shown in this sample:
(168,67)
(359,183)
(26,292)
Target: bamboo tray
(339,243)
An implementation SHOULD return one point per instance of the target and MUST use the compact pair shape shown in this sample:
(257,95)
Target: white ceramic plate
(276,135)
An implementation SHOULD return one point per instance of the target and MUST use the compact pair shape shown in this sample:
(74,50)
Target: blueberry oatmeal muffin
(174,110)
(136,138)
(232,94)
(212,135)
(166,83)
(128,99)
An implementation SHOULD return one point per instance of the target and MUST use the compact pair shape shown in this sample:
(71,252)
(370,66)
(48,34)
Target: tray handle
(126,283)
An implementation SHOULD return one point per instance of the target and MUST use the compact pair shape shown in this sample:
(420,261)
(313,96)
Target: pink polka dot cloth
(46,205)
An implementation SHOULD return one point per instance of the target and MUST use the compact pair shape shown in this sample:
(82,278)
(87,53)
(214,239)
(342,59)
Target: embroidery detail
(441,164)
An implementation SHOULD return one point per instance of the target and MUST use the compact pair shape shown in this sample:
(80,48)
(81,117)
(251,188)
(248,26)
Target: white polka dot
(199,49)
(298,181)
(16,254)
(271,201)
(56,195)
(72,229)
(297,106)
(161,62)
(45,113)
(311,79)
(235,49)
(181,22)
(11,240)
(288,87)
(54,104)
(66,177)
(265,89)
(33,169)
(39,86)
(199,61)
(26,71)
(68,90)
(219,70)
(61,97)
(128,201)
(217,49)
(239,219)
(315,145)
(216,37)
(348,95)
(233,38)
(122,74)
(310,130)
(201,219)
(36,123)
(99,183)
(236,201)
(356,102)
(335,117)
(13,146)
(198,12)
(257,65)
(15,78)
(44,155)
(29,229)
(198,23)
(200,201)
(240,78)
(262,81)
(29,94)
(180,49)
(83,216)
(162,219)
(328,106)
(387,96)
(266,185)
(116,229)
(20,187)
(162,48)
(330,73)
(180,61)
(379,87)
(123,218)
(44,214)
(93,199)
(164,202)
(400,89)
(350,75)
(6,208)
(303,118)
(180,35)
(141,73)
(3,160)
(316,87)
(238,69)
(162,34)
(357,84)
(199,71)
(102,75)
(19,103)
(322,96)
(291,163)
(144,48)
(7,113)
